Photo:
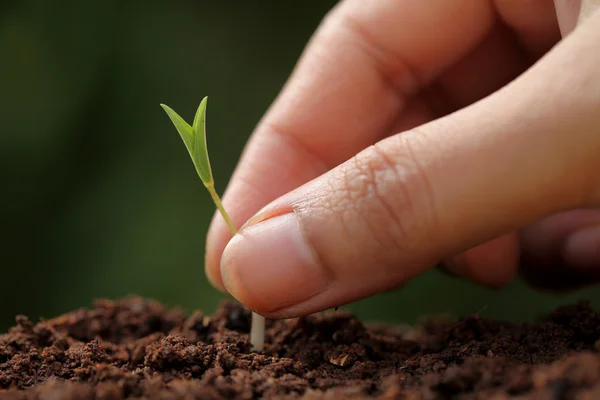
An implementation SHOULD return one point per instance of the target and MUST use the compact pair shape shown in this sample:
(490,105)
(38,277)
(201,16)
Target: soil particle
(137,349)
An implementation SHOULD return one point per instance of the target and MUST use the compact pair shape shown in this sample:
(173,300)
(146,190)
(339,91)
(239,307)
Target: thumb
(398,207)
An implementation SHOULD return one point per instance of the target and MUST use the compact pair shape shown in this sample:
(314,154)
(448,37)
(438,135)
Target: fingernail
(582,248)
(270,266)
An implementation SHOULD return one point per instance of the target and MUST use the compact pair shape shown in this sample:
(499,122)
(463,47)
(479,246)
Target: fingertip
(581,249)
(493,264)
(215,244)
(557,253)
(214,279)
(269,266)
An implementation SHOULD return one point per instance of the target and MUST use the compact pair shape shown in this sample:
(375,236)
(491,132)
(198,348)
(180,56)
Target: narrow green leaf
(185,130)
(194,138)
(200,148)
(200,114)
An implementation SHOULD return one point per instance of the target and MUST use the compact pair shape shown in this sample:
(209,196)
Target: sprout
(194,138)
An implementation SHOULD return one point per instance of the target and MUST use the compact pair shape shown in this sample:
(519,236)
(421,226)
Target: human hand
(409,133)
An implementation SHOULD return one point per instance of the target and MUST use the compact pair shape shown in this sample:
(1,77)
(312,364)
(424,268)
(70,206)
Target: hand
(413,132)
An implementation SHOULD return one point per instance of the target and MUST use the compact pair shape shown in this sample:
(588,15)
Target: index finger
(356,75)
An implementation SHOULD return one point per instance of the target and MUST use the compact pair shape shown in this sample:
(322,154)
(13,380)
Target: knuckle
(386,188)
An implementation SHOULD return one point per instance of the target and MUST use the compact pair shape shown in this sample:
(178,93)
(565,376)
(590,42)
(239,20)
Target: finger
(566,243)
(492,264)
(581,249)
(570,13)
(562,277)
(493,63)
(534,23)
(586,9)
(523,32)
(496,61)
(566,13)
(369,225)
(562,252)
(351,83)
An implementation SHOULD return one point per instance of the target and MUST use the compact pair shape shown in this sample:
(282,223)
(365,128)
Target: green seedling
(194,138)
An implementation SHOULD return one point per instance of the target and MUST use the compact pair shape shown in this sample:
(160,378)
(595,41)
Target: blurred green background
(100,198)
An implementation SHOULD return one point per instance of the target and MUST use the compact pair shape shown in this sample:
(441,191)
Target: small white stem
(257,329)
(257,332)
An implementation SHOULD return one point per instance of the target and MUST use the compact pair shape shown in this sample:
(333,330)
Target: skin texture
(413,133)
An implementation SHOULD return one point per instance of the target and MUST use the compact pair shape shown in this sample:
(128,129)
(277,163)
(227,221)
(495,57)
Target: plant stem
(257,328)
(217,200)
(257,332)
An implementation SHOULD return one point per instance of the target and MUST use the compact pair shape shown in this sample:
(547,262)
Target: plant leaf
(200,148)
(185,130)
(194,138)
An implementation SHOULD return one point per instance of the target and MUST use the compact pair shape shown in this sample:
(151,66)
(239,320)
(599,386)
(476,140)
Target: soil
(136,348)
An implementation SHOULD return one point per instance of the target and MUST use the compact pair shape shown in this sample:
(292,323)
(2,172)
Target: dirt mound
(136,348)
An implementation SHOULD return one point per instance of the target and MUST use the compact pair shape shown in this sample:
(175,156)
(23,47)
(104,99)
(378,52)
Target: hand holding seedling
(414,132)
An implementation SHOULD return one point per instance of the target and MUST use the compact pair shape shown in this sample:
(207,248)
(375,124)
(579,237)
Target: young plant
(194,138)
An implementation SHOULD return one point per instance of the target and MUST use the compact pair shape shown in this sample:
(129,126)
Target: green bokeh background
(100,198)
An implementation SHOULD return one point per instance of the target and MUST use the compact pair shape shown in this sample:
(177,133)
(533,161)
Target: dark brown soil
(136,349)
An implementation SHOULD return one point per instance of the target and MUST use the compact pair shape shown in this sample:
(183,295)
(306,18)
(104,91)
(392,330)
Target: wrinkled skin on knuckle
(381,220)
(401,192)
(379,198)
(373,210)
